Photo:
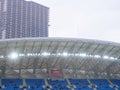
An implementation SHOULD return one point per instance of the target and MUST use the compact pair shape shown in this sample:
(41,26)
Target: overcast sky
(89,19)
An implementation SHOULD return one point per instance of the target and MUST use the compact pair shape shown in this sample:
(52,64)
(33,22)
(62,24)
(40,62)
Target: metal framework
(78,58)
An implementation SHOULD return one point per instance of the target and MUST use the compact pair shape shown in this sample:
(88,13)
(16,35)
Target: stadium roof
(77,58)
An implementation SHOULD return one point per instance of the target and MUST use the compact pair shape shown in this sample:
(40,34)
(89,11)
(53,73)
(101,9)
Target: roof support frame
(83,60)
(73,49)
(3,68)
(47,59)
(86,60)
(117,71)
(31,51)
(70,59)
(57,47)
(95,68)
(54,51)
(21,60)
(35,64)
(110,65)
(42,61)
(15,51)
(59,57)
(78,52)
(100,66)
(97,62)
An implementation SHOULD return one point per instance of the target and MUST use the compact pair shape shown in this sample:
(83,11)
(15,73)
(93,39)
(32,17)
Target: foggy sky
(89,19)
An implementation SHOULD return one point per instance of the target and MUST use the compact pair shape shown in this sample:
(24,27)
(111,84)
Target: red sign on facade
(56,73)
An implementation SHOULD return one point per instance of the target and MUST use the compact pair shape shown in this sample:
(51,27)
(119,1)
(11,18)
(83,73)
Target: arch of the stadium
(76,58)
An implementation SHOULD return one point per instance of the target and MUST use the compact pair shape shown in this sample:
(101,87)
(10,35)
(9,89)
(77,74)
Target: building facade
(19,18)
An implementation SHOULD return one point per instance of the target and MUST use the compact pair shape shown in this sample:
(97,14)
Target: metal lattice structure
(78,58)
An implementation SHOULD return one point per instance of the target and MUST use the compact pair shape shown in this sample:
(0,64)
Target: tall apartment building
(20,18)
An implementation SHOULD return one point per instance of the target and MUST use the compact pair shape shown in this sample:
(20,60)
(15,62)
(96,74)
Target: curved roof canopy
(78,58)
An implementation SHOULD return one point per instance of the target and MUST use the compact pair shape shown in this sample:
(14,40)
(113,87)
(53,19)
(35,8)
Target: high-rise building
(20,18)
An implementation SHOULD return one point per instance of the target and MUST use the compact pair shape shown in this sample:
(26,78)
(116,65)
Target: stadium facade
(72,58)
(20,18)
(59,64)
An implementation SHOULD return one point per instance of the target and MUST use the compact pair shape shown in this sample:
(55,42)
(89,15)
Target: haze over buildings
(90,19)
(20,18)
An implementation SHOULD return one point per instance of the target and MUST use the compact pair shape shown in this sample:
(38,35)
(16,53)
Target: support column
(112,85)
(24,85)
(92,85)
(70,85)
(47,86)
(1,84)
(3,68)
(46,83)
(68,82)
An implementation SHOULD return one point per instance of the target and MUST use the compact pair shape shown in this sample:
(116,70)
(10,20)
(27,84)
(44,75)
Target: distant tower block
(20,18)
